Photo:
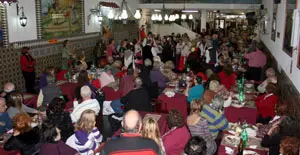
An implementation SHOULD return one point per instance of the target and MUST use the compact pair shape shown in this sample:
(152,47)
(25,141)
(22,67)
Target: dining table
(239,112)
(228,147)
(162,123)
(68,88)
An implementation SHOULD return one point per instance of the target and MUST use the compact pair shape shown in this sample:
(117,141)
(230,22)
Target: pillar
(203,19)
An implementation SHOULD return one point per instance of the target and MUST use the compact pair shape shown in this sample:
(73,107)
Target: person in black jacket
(137,99)
(287,127)
(25,139)
(60,118)
(146,51)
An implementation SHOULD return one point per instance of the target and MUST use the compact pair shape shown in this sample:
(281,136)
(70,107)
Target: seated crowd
(113,100)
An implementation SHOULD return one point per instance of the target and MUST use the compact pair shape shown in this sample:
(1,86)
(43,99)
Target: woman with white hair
(271,78)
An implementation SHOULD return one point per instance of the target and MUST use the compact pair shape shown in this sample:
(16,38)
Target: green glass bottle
(188,69)
(244,135)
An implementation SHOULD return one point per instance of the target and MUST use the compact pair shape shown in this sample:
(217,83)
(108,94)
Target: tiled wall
(48,55)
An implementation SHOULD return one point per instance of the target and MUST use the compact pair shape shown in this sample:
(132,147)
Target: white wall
(282,58)
(167,29)
(15,31)
(94,25)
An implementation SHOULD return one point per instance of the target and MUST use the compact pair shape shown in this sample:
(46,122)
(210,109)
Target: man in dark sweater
(137,99)
(131,141)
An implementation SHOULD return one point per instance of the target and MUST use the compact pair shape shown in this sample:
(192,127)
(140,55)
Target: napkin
(229,150)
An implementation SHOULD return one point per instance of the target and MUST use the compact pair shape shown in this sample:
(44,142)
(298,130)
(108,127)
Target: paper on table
(229,150)
(153,116)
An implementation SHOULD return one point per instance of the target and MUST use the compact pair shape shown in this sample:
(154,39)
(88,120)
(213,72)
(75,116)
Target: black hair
(65,43)
(56,106)
(48,132)
(195,146)
(110,41)
(199,79)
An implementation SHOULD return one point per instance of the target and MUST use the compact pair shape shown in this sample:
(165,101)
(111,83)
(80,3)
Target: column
(203,19)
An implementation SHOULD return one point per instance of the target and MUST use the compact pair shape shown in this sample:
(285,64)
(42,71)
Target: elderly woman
(265,104)
(8,89)
(271,78)
(24,139)
(281,110)
(198,126)
(167,70)
(83,80)
(214,115)
(175,140)
(157,76)
(288,126)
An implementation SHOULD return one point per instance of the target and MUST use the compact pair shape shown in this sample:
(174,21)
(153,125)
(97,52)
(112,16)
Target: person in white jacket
(88,103)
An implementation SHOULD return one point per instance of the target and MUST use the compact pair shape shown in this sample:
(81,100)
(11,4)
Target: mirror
(290,6)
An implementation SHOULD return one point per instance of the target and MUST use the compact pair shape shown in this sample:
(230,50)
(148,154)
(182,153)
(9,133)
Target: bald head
(132,122)
(9,87)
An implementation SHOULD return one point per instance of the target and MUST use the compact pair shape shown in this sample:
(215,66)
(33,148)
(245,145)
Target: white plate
(251,132)
(249,152)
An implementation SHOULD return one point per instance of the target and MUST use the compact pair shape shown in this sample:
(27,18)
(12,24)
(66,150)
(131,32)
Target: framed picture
(61,18)
(290,6)
(274,20)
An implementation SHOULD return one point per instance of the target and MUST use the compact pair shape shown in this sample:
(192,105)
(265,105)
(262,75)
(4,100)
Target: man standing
(213,54)
(131,142)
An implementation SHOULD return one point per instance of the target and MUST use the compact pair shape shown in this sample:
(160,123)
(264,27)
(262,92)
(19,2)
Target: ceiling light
(166,17)
(156,10)
(183,16)
(177,16)
(137,14)
(153,17)
(124,14)
(190,17)
(159,17)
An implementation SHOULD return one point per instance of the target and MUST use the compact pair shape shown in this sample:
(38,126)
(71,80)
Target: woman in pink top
(256,61)
(110,48)
(175,140)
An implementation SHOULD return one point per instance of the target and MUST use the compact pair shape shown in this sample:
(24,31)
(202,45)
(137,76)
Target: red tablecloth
(3,152)
(68,89)
(31,101)
(177,102)
(162,123)
(234,114)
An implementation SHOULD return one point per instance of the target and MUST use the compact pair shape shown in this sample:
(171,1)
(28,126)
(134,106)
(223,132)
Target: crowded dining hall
(149,77)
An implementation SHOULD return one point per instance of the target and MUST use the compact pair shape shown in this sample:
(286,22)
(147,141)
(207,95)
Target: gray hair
(156,64)
(50,79)
(85,92)
(148,62)
(138,82)
(218,102)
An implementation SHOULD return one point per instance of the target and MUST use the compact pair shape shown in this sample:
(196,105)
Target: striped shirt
(87,142)
(216,121)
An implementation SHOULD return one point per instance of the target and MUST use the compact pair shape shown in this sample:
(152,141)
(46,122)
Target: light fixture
(23,18)
(166,17)
(190,17)
(153,17)
(189,11)
(100,18)
(110,14)
(156,10)
(137,14)
(177,16)
(159,17)
(183,16)
(124,14)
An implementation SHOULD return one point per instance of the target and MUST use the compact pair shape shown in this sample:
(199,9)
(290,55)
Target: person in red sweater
(227,77)
(265,104)
(27,66)
(176,139)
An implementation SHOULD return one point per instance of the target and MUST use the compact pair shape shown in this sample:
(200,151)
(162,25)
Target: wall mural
(273,29)
(290,6)
(61,18)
